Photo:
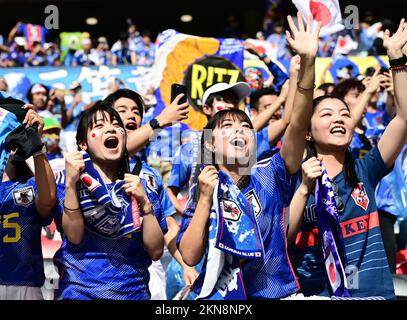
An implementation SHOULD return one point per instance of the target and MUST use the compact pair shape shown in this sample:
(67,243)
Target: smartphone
(176,89)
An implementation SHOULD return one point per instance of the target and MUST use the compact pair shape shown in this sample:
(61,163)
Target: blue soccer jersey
(270,191)
(368,268)
(101,268)
(155,182)
(360,145)
(21,262)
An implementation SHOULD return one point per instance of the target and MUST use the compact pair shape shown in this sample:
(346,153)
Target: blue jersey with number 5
(21,262)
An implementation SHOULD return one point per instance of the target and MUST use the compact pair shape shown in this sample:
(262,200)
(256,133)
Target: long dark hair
(351,177)
(86,121)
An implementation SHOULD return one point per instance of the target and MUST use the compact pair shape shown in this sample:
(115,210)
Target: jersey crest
(360,197)
(23,197)
(254,200)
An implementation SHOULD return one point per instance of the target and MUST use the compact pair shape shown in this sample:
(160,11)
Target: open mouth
(111,142)
(131,126)
(338,130)
(238,142)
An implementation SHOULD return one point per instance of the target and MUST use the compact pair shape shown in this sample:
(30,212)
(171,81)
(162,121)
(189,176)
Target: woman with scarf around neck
(229,181)
(353,184)
(93,261)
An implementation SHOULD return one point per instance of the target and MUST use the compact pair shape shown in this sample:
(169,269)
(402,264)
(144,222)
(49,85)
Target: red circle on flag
(332,274)
(87,181)
(320,12)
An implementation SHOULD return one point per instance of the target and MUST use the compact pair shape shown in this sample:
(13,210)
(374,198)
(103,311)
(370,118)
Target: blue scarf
(112,214)
(330,233)
(233,234)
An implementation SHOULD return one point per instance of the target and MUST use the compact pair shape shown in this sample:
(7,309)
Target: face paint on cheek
(121,131)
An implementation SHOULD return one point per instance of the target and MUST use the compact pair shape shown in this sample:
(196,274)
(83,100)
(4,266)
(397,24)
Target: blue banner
(94,80)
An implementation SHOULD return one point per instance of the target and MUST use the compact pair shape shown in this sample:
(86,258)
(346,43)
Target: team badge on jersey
(23,197)
(230,210)
(150,179)
(360,197)
(252,198)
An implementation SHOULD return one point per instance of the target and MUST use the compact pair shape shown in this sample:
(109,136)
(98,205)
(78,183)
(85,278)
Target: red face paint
(93,135)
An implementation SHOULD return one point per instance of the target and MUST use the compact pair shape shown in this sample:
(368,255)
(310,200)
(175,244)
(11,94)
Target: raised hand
(311,170)
(250,47)
(134,187)
(396,44)
(295,66)
(33,119)
(376,81)
(74,165)
(175,112)
(207,181)
(302,40)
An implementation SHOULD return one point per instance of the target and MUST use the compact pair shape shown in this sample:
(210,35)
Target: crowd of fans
(26,46)
(369,98)
(133,47)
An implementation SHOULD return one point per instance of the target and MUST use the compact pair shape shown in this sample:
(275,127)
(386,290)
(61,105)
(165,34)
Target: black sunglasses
(340,207)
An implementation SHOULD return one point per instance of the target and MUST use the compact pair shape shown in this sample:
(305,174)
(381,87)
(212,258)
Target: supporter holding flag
(31,32)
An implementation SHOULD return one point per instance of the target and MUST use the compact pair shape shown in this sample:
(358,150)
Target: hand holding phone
(177,89)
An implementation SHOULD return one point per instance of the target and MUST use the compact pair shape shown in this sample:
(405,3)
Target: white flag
(326,11)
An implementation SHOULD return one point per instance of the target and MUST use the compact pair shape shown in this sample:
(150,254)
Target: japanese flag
(326,11)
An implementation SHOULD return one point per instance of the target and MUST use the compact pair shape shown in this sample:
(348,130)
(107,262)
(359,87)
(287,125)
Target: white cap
(102,40)
(241,89)
(20,41)
(48,45)
(38,88)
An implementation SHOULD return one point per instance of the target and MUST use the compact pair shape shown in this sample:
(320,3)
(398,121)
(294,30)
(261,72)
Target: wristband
(42,151)
(398,62)
(305,89)
(72,210)
(154,124)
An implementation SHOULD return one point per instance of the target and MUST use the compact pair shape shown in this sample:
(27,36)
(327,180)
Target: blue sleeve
(279,76)
(285,181)
(181,167)
(263,145)
(273,172)
(21,29)
(373,167)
